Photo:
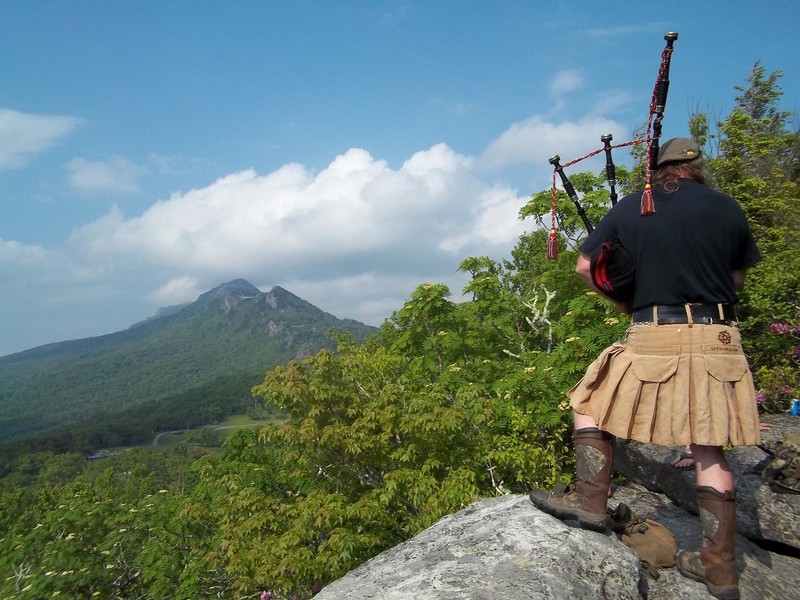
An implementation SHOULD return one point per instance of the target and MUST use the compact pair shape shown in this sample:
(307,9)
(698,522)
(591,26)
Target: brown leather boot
(594,453)
(715,564)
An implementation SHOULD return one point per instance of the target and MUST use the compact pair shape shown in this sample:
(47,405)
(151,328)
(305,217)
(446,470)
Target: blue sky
(347,151)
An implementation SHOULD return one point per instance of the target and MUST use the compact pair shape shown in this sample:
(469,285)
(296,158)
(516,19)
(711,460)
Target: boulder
(505,549)
(496,548)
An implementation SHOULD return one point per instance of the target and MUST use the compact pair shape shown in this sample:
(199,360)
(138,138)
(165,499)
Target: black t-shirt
(687,250)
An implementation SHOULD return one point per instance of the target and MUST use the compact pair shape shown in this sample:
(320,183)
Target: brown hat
(678,149)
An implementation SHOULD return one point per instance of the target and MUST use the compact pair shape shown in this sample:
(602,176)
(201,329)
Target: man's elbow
(582,266)
(583,269)
(738,279)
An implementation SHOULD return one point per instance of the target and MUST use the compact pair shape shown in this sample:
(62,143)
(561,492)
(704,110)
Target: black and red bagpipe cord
(552,241)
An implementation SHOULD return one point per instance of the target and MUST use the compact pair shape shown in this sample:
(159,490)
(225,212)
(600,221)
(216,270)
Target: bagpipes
(657,105)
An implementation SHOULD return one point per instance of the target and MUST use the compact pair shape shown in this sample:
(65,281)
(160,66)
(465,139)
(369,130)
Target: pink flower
(761,397)
(781,328)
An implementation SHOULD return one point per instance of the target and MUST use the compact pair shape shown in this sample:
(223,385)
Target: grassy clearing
(169,439)
(223,429)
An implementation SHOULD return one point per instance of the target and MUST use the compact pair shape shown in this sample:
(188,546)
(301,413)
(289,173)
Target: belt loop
(721,311)
(688,309)
(655,314)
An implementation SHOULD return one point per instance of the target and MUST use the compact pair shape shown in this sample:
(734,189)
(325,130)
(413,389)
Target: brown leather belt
(702,314)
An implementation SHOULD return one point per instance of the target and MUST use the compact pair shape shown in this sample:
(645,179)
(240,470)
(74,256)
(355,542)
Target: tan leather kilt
(672,385)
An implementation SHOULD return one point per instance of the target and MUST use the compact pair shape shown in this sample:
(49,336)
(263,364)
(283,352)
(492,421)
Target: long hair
(687,169)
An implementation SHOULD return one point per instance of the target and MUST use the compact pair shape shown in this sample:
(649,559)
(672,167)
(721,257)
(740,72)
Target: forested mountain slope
(230,329)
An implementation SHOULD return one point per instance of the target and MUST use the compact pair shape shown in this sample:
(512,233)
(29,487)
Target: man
(679,377)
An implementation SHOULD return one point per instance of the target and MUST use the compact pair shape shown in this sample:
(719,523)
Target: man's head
(677,150)
(679,158)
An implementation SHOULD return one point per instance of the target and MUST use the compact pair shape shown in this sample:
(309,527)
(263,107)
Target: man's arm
(738,278)
(583,269)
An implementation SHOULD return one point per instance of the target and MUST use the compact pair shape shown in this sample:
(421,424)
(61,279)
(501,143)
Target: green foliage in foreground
(452,401)
(104,534)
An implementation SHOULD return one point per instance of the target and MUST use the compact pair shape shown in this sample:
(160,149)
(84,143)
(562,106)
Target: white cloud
(355,238)
(17,255)
(367,297)
(495,223)
(614,101)
(176,291)
(535,140)
(116,175)
(357,220)
(25,135)
(566,81)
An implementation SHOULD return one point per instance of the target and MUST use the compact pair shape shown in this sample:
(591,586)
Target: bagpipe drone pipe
(611,266)
(653,134)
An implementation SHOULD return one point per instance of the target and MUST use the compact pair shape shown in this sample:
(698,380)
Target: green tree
(92,536)
(757,163)
(453,401)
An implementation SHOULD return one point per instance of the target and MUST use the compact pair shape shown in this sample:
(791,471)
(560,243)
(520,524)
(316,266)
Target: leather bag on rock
(653,542)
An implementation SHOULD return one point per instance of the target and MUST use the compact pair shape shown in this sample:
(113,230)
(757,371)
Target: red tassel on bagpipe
(648,206)
(552,245)
(657,105)
(552,240)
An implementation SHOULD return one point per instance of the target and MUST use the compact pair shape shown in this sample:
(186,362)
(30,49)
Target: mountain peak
(230,329)
(226,296)
(237,286)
